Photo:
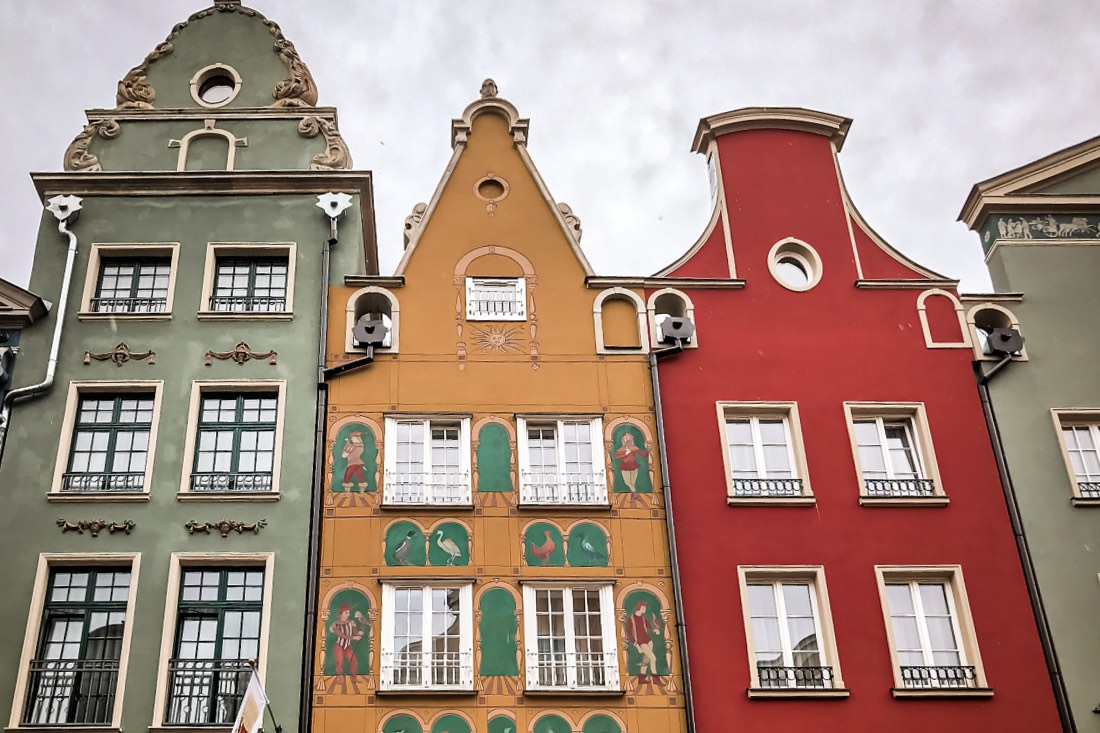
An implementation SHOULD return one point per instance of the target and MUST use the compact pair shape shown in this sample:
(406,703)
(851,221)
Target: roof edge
(798,119)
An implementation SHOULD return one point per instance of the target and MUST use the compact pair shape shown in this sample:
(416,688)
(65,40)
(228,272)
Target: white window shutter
(387,636)
(389,459)
(599,460)
(464,450)
(524,456)
(466,635)
(610,643)
(470,298)
(530,637)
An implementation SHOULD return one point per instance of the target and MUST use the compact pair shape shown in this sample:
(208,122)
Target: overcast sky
(943,95)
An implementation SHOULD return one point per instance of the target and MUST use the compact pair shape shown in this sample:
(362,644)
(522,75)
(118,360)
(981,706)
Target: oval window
(791,271)
(217,89)
(795,265)
(215,85)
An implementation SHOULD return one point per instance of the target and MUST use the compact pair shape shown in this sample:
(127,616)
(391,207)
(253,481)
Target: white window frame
(215,250)
(1078,418)
(81,388)
(788,413)
(609,641)
(177,563)
(198,389)
(48,561)
(103,251)
(916,418)
(951,577)
(466,634)
(599,465)
(429,496)
(814,576)
(519,291)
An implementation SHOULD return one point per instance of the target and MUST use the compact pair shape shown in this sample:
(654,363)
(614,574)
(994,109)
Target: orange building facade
(494,554)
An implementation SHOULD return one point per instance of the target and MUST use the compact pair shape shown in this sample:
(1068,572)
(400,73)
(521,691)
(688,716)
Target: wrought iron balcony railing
(938,677)
(205,691)
(767,488)
(796,678)
(496,307)
(450,487)
(129,305)
(427,670)
(76,481)
(248,303)
(573,670)
(243,482)
(1089,489)
(545,487)
(900,488)
(70,692)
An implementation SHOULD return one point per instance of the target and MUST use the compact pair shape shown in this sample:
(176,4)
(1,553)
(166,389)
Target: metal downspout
(1061,698)
(670,527)
(64,208)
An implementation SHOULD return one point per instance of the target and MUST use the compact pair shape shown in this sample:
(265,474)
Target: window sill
(187,728)
(562,505)
(96,316)
(943,692)
(1083,501)
(584,691)
(105,728)
(228,496)
(88,496)
(777,501)
(424,507)
(450,691)
(769,693)
(907,501)
(622,350)
(496,318)
(244,316)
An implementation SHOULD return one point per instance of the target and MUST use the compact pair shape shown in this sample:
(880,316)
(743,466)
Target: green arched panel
(587,546)
(497,630)
(542,545)
(402,724)
(632,452)
(405,545)
(654,626)
(450,723)
(346,448)
(494,459)
(449,544)
(501,724)
(552,724)
(354,627)
(601,724)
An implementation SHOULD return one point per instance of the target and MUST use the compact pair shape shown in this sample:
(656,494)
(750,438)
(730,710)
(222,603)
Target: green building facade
(159,490)
(1040,230)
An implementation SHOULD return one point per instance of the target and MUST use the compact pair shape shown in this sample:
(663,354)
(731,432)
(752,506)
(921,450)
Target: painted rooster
(543,551)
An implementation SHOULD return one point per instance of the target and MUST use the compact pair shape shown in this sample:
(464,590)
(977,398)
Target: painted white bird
(448,546)
(589,549)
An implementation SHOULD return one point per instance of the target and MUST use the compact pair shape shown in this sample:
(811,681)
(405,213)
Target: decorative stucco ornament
(572,221)
(489,89)
(413,221)
(241,353)
(95,526)
(298,90)
(120,355)
(336,155)
(134,90)
(77,157)
(225,526)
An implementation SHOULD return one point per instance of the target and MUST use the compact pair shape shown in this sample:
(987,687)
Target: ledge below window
(771,501)
(187,729)
(391,507)
(97,316)
(243,316)
(90,496)
(942,692)
(227,496)
(66,728)
(1085,501)
(570,506)
(556,692)
(427,691)
(906,501)
(770,693)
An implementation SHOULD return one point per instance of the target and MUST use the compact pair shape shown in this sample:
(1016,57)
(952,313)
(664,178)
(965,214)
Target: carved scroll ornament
(95,526)
(77,157)
(224,527)
(336,155)
(572,221)
(241,353)
(120,355)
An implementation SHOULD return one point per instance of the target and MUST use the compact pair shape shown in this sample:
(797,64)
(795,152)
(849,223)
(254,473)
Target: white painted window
(762,457)
(570,638)
(427,637)
(786,632)
(427,461)
(496,299)
(1082,446)
(893,453)
(561,461)
(926,635)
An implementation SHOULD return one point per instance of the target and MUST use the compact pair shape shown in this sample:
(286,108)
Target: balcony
(247,303)
(242,482)
(938,678)
(415,670)
(795,678)
(105,483)
(503,307)
(205,691)
(450,488)
(552,671)
(900,488)
(129,305)
(76,692)
(1089,489)
(552,488)
(767,488)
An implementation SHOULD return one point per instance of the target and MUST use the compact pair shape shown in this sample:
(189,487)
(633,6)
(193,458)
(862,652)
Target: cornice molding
(19,307)
(384,281)
(980,206)
(906,284)
(201,183)
(798,119)
(991,297)
(204,113)
(599,282)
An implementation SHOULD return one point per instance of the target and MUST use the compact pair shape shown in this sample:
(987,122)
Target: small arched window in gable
(619,316)
(670,303)
(496,289)
(983,320)
(942,320)
(375,304)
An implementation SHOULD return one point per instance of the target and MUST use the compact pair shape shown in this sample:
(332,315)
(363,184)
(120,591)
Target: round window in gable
(215,85)
(795,265)
(491,188)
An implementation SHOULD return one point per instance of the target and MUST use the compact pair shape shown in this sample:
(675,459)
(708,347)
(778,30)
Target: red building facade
(847,561)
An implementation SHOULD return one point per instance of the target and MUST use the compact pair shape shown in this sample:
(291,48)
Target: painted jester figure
(353,454)
(640,630)
(347,632)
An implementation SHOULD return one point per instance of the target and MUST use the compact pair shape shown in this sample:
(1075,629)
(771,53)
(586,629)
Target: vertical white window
(570,638)
(892,448)
(761,454)
(496,299)
(427,637)
(1081,443)
(561,461)
(427,461)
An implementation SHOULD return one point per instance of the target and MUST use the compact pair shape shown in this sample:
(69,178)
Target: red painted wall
(820,348)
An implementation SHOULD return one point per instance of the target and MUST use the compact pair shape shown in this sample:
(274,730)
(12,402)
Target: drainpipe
(65,209)
(333,204)
(666,489)
(1057,682)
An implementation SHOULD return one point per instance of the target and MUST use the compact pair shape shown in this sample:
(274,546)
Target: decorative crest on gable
(490,102)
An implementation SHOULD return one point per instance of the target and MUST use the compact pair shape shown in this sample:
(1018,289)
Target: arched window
(377,304)
(983,319)
(942,320)
(619,316)
(670,303)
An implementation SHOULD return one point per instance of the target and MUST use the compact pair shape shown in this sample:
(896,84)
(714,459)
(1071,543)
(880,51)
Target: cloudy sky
(943,94)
